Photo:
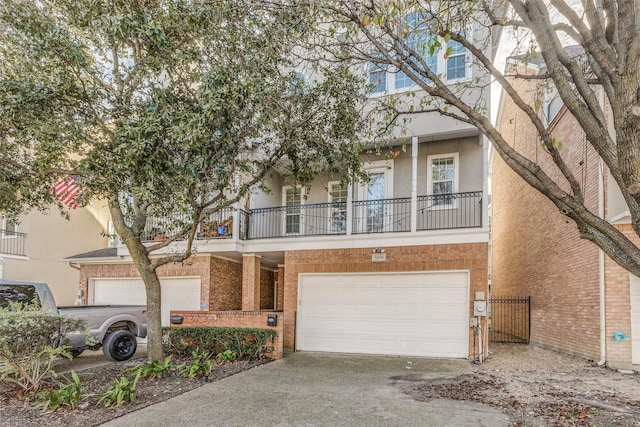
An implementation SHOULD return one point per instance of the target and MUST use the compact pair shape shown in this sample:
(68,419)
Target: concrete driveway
(307,389)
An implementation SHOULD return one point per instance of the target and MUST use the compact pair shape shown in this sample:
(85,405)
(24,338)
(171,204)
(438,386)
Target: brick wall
(226,285)
(536,250)
(267,284)
(236,319)
(618,308)
(472,257)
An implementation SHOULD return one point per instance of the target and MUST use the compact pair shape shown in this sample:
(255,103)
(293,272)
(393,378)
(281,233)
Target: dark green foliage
(67,395)
(152,369)
(246,343)
(123,389)
(201,364)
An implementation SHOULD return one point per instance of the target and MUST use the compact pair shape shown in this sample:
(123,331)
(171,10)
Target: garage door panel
(422,314)
(177,293)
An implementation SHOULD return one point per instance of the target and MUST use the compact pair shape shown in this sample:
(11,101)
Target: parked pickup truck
(114,327)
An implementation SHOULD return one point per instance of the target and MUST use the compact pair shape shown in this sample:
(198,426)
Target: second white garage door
(181,293)
(411,314)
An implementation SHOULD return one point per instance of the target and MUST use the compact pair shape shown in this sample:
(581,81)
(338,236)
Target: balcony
(447,211)
(12,243)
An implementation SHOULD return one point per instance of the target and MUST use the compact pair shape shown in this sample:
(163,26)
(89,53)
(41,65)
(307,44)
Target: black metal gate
(509,319)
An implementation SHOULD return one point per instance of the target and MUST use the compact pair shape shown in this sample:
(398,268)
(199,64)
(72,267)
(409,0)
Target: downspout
(414,184)
(601,281)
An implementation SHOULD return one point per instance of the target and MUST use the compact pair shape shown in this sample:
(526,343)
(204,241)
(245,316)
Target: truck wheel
(119,345)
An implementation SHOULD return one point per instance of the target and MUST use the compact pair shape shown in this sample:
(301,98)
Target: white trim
(623,218)
(436,237)
(17,257)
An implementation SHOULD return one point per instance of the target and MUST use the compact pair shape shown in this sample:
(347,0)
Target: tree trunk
(142,261)
(154,312)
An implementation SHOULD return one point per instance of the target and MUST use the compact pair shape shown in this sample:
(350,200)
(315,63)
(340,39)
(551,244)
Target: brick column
(250,282)
(280,287)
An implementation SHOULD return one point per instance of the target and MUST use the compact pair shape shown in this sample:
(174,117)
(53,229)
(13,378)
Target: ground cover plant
(98,394)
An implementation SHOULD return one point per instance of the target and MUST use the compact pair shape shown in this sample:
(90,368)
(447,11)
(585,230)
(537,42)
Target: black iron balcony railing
(457,210)
(433,212)
(381,216)
(12,242)
(298,220)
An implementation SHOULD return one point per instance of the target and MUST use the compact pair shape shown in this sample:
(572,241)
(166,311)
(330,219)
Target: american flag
(68,191)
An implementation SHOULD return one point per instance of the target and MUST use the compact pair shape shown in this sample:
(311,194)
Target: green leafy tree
(606,39)
(169,110)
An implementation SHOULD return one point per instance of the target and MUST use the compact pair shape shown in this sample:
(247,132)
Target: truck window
(21,294)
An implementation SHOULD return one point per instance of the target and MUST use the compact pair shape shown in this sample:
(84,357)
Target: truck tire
(119,345)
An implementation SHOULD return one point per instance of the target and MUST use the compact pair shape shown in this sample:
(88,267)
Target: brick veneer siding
(618,308)
(538,251)
(250,282)
(226,288)
(472,257)
(267,283)
(280,287)
(235,319)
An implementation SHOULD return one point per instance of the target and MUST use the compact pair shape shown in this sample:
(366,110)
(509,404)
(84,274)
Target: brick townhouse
(388,266)
(580,298)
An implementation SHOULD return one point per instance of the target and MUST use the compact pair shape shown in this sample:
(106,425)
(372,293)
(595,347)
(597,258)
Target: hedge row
(247,343)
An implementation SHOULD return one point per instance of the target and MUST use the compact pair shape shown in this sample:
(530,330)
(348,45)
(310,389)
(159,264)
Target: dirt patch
(539,387)
(15,411)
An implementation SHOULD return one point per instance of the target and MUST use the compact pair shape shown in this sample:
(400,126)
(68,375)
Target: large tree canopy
(166,109)
(606,33)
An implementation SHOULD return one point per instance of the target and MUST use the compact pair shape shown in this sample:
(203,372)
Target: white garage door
(177,293)
(412,314)
(635,319)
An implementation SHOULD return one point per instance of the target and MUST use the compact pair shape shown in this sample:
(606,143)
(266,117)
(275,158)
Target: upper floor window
(9,228)
(377,77)
(442,177)
(456,62)
(424,46)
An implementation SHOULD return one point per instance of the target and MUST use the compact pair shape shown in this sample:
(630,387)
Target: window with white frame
(419,38)
(293,212)
(377,77)
(338,207)
(9,228)
(456,61)
(442,177)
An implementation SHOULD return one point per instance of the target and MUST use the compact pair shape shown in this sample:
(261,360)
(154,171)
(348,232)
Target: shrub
(246,343)
(201,364)
(225,356)
(152,369)
(66,396)
(123,389)
(31,339)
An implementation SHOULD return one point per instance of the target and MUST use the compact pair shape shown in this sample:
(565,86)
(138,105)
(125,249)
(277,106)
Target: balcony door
(292,202)
(337,207)
(375,214)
